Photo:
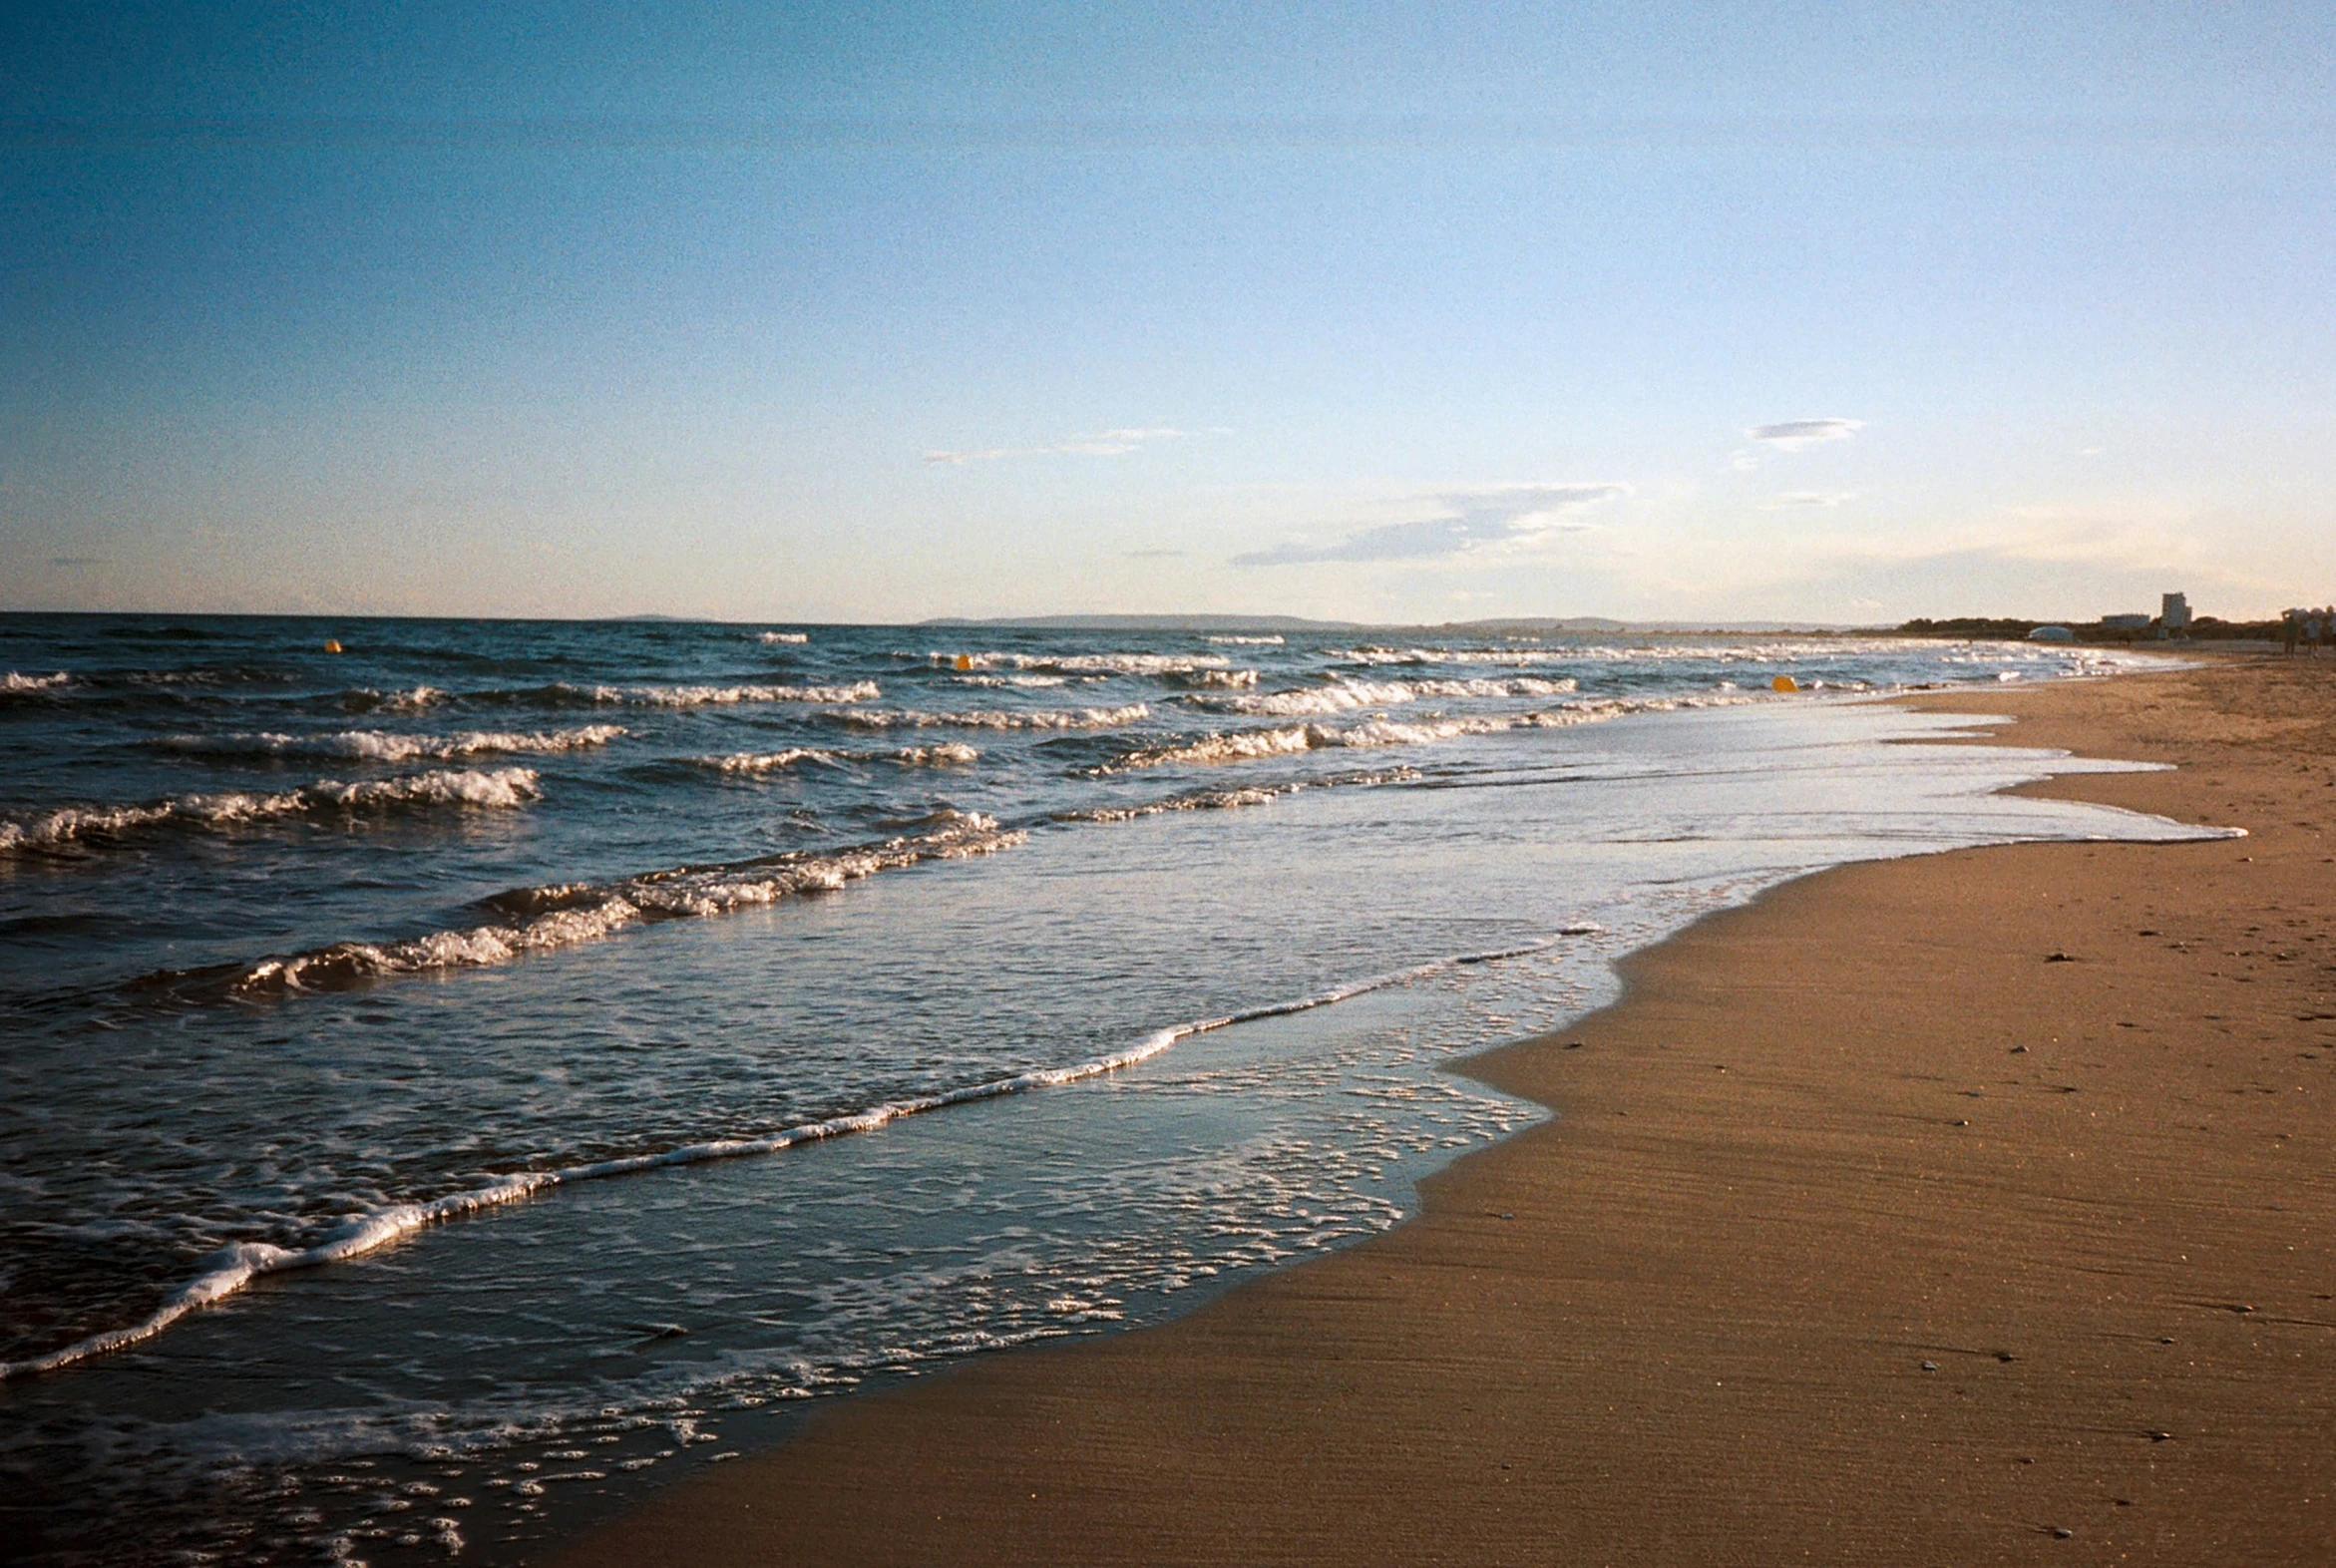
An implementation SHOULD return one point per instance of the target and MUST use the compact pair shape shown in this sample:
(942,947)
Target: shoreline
(1866,1231)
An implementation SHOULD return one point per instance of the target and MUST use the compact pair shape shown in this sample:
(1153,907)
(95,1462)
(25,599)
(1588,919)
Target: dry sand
(1871,1229)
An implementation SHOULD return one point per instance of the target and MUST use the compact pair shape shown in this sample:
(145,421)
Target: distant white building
(2175,613)
(2052,635)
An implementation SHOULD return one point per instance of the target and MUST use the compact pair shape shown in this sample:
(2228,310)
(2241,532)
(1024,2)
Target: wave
(948,753)
(14,684)
(719,696)
(1034,718)
(372,745)
(1343,696)
(233,1267)
(567,694)
(785,637)
(1250,642)
(59,830)
(367,700)
(1244,745)
(562,915)
(1085,663)
(1012,681)
(1230,799)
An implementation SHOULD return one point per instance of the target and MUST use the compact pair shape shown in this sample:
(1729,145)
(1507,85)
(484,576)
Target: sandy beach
(1971,1208)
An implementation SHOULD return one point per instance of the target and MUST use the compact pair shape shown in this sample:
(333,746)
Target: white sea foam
(1085,663)
(545,919)
(786,636)
(1343,696)
(1031,681)
(946,754)
(1255,643)
(1244,745)
(720,696)
(373,745)
(54,830)
(366,699)
(235,1267)
(11,681)
(992,719)
(1230,799)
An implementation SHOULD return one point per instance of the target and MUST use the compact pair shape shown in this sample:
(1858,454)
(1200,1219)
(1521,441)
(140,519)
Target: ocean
(460,1081)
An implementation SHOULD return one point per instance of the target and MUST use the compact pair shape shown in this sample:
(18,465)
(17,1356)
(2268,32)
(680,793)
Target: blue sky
(1835,313)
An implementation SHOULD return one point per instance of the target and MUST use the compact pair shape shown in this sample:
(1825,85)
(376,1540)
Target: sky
(1835,313)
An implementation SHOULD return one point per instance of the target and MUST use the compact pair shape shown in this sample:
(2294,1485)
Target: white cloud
(1465,520)
(1791,435)
(1809,498)
(1103,443)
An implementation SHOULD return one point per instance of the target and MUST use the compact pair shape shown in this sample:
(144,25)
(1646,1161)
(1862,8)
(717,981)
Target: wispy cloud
(1464,520)
(1809,498)
(1154,554)
(1103,443)
(1791,435)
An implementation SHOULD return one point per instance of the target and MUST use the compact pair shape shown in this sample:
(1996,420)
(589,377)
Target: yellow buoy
(331,646)
(1786,684)
(965,661)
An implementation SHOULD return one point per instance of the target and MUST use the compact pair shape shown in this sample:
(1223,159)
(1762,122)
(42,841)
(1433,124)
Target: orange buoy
(331,646)
(965,661)
(1786,684)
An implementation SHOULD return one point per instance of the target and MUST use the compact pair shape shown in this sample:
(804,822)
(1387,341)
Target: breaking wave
(946,754)
(719,696)
(1085,663)
(366,700)
(545,919)
(372,745)
(12,683)
(785,637)
(68,826)
(1343,696)
(992,718)
(1243,745)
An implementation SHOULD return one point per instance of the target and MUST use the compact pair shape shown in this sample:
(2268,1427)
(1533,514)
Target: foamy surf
(1232,799)
(946,755)
(13,684)
(992,718)
(1085,663)
(562,915)
(373,745)
(1346,696)
(74,825)
(235,1267)
(1248,745)
(722,697)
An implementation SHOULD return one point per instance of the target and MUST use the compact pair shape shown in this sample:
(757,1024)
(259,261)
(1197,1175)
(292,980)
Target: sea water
(456,1083)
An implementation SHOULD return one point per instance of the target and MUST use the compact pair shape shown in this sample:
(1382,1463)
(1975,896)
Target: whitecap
(373,745)
(58,829)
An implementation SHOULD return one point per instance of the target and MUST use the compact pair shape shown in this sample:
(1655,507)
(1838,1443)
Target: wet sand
(1969,1209)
